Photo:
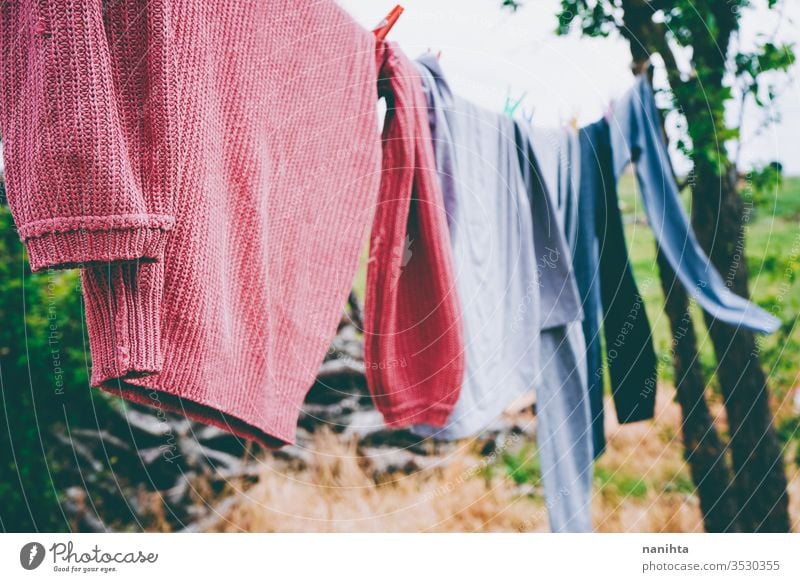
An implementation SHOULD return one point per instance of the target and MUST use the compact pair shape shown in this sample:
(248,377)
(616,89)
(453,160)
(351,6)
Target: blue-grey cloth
(440,101)
(557,151)
(560,302)
(562,401)
(495,265)
(563,430)
(636,137)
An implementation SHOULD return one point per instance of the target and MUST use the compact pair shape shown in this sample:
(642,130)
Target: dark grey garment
(609,293)
(636,137)
(587,274)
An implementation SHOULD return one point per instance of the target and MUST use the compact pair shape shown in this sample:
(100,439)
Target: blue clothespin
(527,114)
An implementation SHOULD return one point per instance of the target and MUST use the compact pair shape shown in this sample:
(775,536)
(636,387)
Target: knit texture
(87,111)
(413,338)
(214,166)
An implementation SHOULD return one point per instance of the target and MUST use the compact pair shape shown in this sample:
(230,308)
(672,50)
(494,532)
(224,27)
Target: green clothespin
(512,105)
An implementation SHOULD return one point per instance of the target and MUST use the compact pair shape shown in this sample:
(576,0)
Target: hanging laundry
(414,346)
(609,292)
(563,432)
(494,258)
(569,169)
(636,138)
(187,156)
(562,402)
(512,266)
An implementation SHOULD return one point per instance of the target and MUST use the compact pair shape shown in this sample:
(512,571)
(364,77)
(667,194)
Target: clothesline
(511,103)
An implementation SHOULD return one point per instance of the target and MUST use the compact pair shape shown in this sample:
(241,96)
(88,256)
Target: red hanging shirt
(414,347)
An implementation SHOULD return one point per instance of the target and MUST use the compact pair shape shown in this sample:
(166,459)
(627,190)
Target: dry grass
(336,494)
(642,486)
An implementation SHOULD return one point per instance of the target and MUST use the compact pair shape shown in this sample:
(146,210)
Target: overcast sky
(488,52)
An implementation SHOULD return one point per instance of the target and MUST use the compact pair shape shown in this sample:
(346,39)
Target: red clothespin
(438,54)
(387,23)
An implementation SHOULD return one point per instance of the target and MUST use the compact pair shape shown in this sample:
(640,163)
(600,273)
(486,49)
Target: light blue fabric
(560,301)
(636,137)
(558,153)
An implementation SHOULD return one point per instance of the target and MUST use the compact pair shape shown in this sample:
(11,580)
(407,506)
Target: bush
(43,383)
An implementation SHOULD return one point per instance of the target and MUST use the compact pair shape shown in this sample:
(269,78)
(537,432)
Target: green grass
(523,465)
(784,201)
(619,483)
(680,482)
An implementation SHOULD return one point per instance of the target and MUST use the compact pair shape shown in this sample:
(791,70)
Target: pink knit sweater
(414,348)
(215,165)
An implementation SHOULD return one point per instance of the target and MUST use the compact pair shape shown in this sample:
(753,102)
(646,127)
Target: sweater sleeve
(84,116)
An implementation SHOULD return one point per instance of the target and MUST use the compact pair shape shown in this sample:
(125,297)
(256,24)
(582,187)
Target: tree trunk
(717,217)
(703,449)
(759,478)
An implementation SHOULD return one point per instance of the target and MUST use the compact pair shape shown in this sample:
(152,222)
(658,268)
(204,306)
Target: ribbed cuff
(82,241)
(123,320)
(80,248)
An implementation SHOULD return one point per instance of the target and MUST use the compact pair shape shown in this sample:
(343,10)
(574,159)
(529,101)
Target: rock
(362,423)
(338,379)
(398,439)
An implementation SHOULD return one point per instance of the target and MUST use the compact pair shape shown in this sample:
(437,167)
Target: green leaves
(43,379)
(766,181)
(511,4)
(595,18)
(767,57)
